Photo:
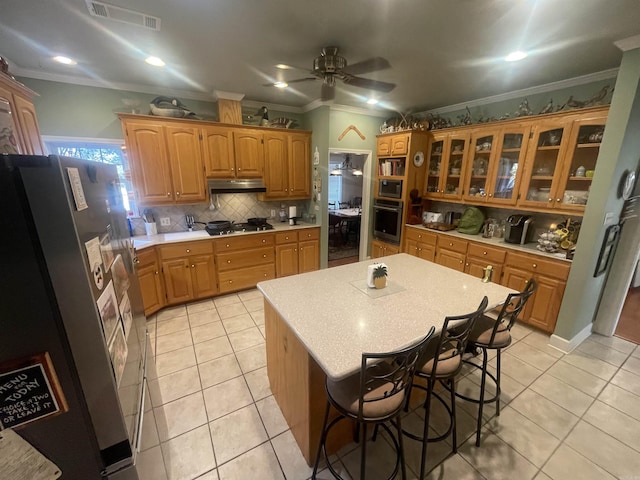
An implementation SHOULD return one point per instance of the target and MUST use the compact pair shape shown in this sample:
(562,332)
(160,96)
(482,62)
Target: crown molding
(629,43)
(272,106)
(345,108)
(547,87)
(219,94)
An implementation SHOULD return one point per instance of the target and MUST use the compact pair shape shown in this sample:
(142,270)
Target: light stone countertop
(337,318)
(141,242)
(498,242)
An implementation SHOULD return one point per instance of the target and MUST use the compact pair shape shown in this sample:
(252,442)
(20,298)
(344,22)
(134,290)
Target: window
(103,151)
(334,193)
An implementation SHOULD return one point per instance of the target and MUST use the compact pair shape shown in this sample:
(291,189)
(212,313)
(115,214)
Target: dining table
(351,218)
(318,324)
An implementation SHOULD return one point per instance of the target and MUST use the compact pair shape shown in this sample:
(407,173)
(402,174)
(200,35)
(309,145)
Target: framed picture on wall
(607,250)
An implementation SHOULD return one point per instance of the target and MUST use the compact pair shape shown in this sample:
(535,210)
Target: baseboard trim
(566,346)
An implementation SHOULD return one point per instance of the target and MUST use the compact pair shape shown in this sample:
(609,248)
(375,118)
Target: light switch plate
(609,218)
(165,222)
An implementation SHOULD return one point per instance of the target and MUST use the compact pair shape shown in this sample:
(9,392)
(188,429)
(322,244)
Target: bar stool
(442,362)
(373,396)
(491,333)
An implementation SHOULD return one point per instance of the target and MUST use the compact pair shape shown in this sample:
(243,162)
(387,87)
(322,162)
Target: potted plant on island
(380,276)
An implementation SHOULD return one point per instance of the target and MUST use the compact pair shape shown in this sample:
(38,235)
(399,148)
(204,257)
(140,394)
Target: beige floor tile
(252,358)
(175,361)
(632,365)
(226,300)
(258,318)
(627,380)
(235,434)
(173,341)
(290,456)
(616,343)
(272,417)
(455,468)
(150,465)
(149,433)
(471,389)
(439,420)
(540,341)
(518,369)
(201,306)
(590,364)
(212,349)
(212,475)
(238,323)
(622,400)
(597,350)
(531,441)
(544,413)
(250,295)
(496,460)
(636,352)
(172,325)
(180,416)
(263,331)
(246,339)
(520,330)
(509,386)
(562,394)
(583,381)
(232,310)
(258,382)
(189,455)
(260,462)
(208,331)
(604,450)
(219,370)
(254,305)
(534,357)
(542,476)
(173,386)
(617,424)
(203,317)
(226,397)
(381,458)
(171,312)
(567,463)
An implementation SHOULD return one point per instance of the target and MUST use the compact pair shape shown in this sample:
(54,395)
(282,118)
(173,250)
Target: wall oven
(387,220)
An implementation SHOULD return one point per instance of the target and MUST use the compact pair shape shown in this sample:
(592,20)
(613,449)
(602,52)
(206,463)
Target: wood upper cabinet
(287,165)
(397,144)
(447,164)
(299,150)
(217,146)
(150,166)
(15,98)
(185,159)
(249,153)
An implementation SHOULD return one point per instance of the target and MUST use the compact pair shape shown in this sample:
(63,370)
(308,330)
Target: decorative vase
(380,282)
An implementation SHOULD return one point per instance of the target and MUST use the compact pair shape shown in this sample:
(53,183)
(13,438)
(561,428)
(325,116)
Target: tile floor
(210,414)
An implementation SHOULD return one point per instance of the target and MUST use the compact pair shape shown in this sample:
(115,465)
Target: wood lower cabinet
(188,271)
(150,280)
(308,250)
(420,243)
(381,249)
(480,256)
(297,252)
(551,276)
(245,260)
(451,252)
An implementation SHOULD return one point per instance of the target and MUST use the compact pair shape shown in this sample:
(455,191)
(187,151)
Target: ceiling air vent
(118,14)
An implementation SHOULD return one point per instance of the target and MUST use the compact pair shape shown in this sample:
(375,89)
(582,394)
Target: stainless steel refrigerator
(70,300)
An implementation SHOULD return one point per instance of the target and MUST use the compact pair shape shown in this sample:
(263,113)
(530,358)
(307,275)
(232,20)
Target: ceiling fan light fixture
(372,101)
(281,84)
(65,60)
(515,56)
(155,61)
(283,66)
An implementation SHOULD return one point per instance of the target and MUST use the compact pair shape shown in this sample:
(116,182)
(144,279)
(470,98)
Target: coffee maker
(519,229)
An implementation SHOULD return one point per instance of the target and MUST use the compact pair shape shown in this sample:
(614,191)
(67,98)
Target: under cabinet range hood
(246,185)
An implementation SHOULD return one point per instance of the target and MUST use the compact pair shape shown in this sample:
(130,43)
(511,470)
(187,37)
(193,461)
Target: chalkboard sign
(29,390)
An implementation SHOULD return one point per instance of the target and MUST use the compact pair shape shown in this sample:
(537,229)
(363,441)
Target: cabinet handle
(551,199)
(451,244)
(265,274)
(178,194)
(230,281)
(484,253)
(264,240)
(188,251)
(286,238)
(232,169)
(168,194)
(228,261)
(136,261)
(419,237)
(535,265)
(264,255)
(193,266)
(295,249)
(239,169)
(461,261)
(558,200)
(490,195)
(227,245)
(156,273)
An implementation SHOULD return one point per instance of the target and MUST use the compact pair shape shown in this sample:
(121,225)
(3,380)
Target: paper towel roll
(293,211)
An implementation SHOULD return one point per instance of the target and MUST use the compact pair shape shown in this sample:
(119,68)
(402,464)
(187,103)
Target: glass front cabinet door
(434,166)
(477,184)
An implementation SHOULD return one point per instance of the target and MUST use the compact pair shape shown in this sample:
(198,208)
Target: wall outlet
(165,222)
(273,213)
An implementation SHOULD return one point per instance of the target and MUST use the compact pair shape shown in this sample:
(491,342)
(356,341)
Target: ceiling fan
(329,66)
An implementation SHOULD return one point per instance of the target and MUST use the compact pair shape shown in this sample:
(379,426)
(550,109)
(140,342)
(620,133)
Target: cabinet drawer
(308,234)
(247,258)
(245,277)
(492,254)
(180,250)
(452,244)
(244,242)
(286,237)
(146,256)
(421,236)
(541,266)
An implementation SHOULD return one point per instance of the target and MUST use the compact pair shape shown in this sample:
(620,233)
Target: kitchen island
(319,323)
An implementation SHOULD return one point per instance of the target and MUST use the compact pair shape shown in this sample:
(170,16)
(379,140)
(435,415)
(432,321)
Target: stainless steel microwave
(390,188)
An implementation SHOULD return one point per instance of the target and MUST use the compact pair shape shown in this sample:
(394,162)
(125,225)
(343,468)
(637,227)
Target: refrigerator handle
(141,416)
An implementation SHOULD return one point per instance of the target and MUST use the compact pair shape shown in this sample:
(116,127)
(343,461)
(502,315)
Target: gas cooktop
(240,228)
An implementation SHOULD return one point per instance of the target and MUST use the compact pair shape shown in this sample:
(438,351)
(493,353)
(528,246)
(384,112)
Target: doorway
(347,205)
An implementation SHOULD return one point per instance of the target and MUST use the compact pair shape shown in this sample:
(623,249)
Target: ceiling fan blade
(367,83)
(328,92)
(297,80)
(371,65)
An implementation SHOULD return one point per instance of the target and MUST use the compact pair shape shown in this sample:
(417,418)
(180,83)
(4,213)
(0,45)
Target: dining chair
(345,205)
(336,224)
(442,362)
(375,396)
(494,333)
(357,202)
(332,205)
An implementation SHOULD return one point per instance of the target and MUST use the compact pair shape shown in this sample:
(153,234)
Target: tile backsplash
(237,207)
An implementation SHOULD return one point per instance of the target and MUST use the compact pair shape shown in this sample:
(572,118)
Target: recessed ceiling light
(281,84)
(155,61)
(282,66)
(65,60)
(515,56)
(372,101)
